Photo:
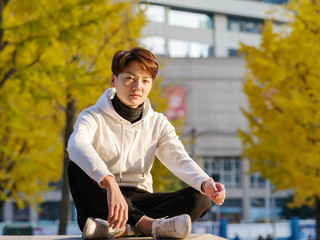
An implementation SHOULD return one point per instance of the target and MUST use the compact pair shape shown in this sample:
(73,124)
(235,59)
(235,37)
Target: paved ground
(77,237)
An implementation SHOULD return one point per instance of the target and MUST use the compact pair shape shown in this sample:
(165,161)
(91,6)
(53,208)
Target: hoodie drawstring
(142,147)
(121,150)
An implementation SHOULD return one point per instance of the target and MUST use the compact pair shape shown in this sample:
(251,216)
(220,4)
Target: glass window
(256,181)
(232,203)
(20,215)
(189,19)
(49,211)
(233,52)
(244,24)
(180,49)
(257,202)
(154,13)
(224,169)
(155,44)
(227,179)
(216,165)
(227,164)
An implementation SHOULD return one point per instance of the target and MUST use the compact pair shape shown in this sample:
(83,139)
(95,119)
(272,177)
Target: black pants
(91,200)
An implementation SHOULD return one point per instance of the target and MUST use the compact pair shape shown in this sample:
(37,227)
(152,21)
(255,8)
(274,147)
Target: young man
(112,150)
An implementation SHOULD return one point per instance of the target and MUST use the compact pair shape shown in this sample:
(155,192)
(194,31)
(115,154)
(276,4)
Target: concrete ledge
(78,237)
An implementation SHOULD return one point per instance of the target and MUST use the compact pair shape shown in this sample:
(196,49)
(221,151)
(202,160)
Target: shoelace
(168,226)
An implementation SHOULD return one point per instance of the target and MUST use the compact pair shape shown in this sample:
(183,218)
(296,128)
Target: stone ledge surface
(78,237)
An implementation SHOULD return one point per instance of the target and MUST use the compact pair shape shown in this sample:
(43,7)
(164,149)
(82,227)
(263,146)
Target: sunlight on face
(133,85)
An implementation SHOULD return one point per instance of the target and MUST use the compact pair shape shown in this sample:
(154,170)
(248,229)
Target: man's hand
(215,191)
(118,207)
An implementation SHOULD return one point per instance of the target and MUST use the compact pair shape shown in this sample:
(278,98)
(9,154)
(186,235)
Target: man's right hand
(118,207)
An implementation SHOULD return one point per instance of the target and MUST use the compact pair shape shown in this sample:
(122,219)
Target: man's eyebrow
(144,75)
(130,73)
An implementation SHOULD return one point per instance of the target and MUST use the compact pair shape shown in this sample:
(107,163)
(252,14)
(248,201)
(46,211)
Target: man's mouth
(135,95)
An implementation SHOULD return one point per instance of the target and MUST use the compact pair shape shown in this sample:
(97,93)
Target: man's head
(146,58)
(133,73)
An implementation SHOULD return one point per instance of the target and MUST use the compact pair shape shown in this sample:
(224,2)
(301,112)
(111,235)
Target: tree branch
(6,76)
(100,49)
(13,69)
(3,3)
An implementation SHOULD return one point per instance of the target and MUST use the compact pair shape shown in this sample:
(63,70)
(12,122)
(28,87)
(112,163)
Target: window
(257,202)
(155,44)
(226,170)
(244,24)
(256,181)
(49,211)
(179,49)
(232,210)
(189,19)
(154,13)
(20,215)
(233,52)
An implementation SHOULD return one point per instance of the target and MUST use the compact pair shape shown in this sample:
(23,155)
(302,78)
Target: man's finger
(124,218)
(120,218)
(110,216)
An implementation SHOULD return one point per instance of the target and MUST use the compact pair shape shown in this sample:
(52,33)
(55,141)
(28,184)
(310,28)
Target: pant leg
(157,205)
(91,200)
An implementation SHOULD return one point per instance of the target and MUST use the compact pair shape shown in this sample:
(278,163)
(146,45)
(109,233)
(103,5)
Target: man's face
(133,85)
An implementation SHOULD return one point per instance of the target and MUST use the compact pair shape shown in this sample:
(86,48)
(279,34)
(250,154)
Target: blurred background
(238,78)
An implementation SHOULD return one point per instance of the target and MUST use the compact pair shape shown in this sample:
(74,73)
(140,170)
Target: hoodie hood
(104,103)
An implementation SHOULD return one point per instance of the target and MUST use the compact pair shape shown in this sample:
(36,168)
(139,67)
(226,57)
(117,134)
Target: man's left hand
(215,191)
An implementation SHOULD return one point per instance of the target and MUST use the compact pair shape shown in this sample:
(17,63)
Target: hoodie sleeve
(81,150)
(173,155)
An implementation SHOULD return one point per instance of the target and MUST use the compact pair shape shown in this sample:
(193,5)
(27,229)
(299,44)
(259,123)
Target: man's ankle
(145,225)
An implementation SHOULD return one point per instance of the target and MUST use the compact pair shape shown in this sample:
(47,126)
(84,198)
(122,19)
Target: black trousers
(91,200)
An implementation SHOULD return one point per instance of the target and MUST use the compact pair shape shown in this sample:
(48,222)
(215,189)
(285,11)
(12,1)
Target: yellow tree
(24,143)
(282,86)
(54,60)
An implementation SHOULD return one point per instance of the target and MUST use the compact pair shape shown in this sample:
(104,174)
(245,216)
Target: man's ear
(113,80)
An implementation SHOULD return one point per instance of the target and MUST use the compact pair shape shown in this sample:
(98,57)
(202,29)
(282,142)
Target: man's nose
(137,85)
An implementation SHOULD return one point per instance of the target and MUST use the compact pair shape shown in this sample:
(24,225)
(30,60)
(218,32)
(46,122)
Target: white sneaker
(175,227)
(96,228)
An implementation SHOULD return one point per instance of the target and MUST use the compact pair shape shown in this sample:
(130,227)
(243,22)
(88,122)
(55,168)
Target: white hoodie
(103,143)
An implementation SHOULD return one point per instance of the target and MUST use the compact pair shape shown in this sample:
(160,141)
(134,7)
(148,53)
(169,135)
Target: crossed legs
(91,201)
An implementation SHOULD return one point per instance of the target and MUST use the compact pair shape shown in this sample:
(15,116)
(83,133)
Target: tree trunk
(1,207)
(65,203)
(317,218)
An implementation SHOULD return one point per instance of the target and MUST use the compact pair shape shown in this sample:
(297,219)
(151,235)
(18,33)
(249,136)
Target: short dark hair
(147,59)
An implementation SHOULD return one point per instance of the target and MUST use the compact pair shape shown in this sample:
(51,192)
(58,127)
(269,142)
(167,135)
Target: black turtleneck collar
(131,114)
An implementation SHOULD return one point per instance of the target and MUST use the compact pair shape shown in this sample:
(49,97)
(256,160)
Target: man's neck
(131,114)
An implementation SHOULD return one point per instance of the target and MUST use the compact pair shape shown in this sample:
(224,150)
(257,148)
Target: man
(112,150)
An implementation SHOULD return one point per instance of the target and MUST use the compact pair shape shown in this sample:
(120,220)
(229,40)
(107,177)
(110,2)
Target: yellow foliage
(283,87)
(51,55)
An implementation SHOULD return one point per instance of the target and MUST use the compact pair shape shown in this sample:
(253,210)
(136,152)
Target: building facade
(197,42)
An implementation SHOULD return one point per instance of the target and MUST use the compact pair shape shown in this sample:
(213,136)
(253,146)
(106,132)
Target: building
(197,42)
